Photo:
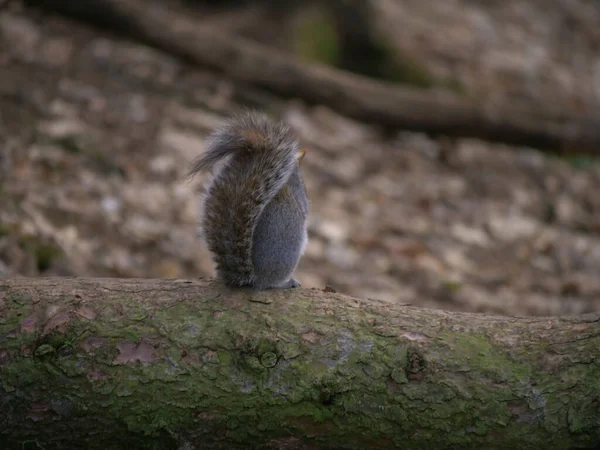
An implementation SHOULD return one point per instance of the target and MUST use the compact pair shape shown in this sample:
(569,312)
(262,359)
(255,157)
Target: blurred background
(97,131)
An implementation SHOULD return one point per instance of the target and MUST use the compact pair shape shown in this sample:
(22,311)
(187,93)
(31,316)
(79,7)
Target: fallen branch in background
(108,363)
(355,96)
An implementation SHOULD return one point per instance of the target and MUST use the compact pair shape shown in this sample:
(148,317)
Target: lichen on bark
(102,363)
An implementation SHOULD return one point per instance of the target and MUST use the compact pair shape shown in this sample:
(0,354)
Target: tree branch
(110,364)
(352,95)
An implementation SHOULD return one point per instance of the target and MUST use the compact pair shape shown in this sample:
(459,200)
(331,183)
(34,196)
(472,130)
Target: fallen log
(119,364)
(359,97)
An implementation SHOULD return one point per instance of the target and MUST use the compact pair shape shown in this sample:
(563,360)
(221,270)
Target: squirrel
(255,208)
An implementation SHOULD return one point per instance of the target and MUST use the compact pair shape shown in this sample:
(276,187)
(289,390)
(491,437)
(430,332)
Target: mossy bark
(111,364)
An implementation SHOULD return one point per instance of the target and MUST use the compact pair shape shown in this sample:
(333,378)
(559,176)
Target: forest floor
(98,132)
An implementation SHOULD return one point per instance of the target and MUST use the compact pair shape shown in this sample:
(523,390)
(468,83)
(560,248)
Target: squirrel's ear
(301,154)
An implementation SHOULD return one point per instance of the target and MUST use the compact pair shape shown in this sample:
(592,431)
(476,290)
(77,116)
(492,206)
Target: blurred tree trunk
(353,95)
(115,364)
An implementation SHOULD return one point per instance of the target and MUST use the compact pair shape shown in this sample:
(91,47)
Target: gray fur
(280,236)
(255,207)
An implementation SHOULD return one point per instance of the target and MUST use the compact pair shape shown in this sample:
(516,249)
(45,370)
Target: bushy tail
(262,155)
(251,133)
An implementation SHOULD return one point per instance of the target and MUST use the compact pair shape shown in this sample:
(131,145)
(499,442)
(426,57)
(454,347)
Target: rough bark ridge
(111,364)
(352,95)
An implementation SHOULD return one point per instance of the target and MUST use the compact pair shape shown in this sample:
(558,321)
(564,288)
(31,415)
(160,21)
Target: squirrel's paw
(291,283)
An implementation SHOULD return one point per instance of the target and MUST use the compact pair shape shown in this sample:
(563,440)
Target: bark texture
(116,364)
(352,95)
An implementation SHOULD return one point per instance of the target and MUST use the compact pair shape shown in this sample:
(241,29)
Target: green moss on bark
(159,362)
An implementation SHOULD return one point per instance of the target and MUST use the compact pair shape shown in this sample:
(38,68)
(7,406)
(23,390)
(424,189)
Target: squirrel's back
(252,159)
